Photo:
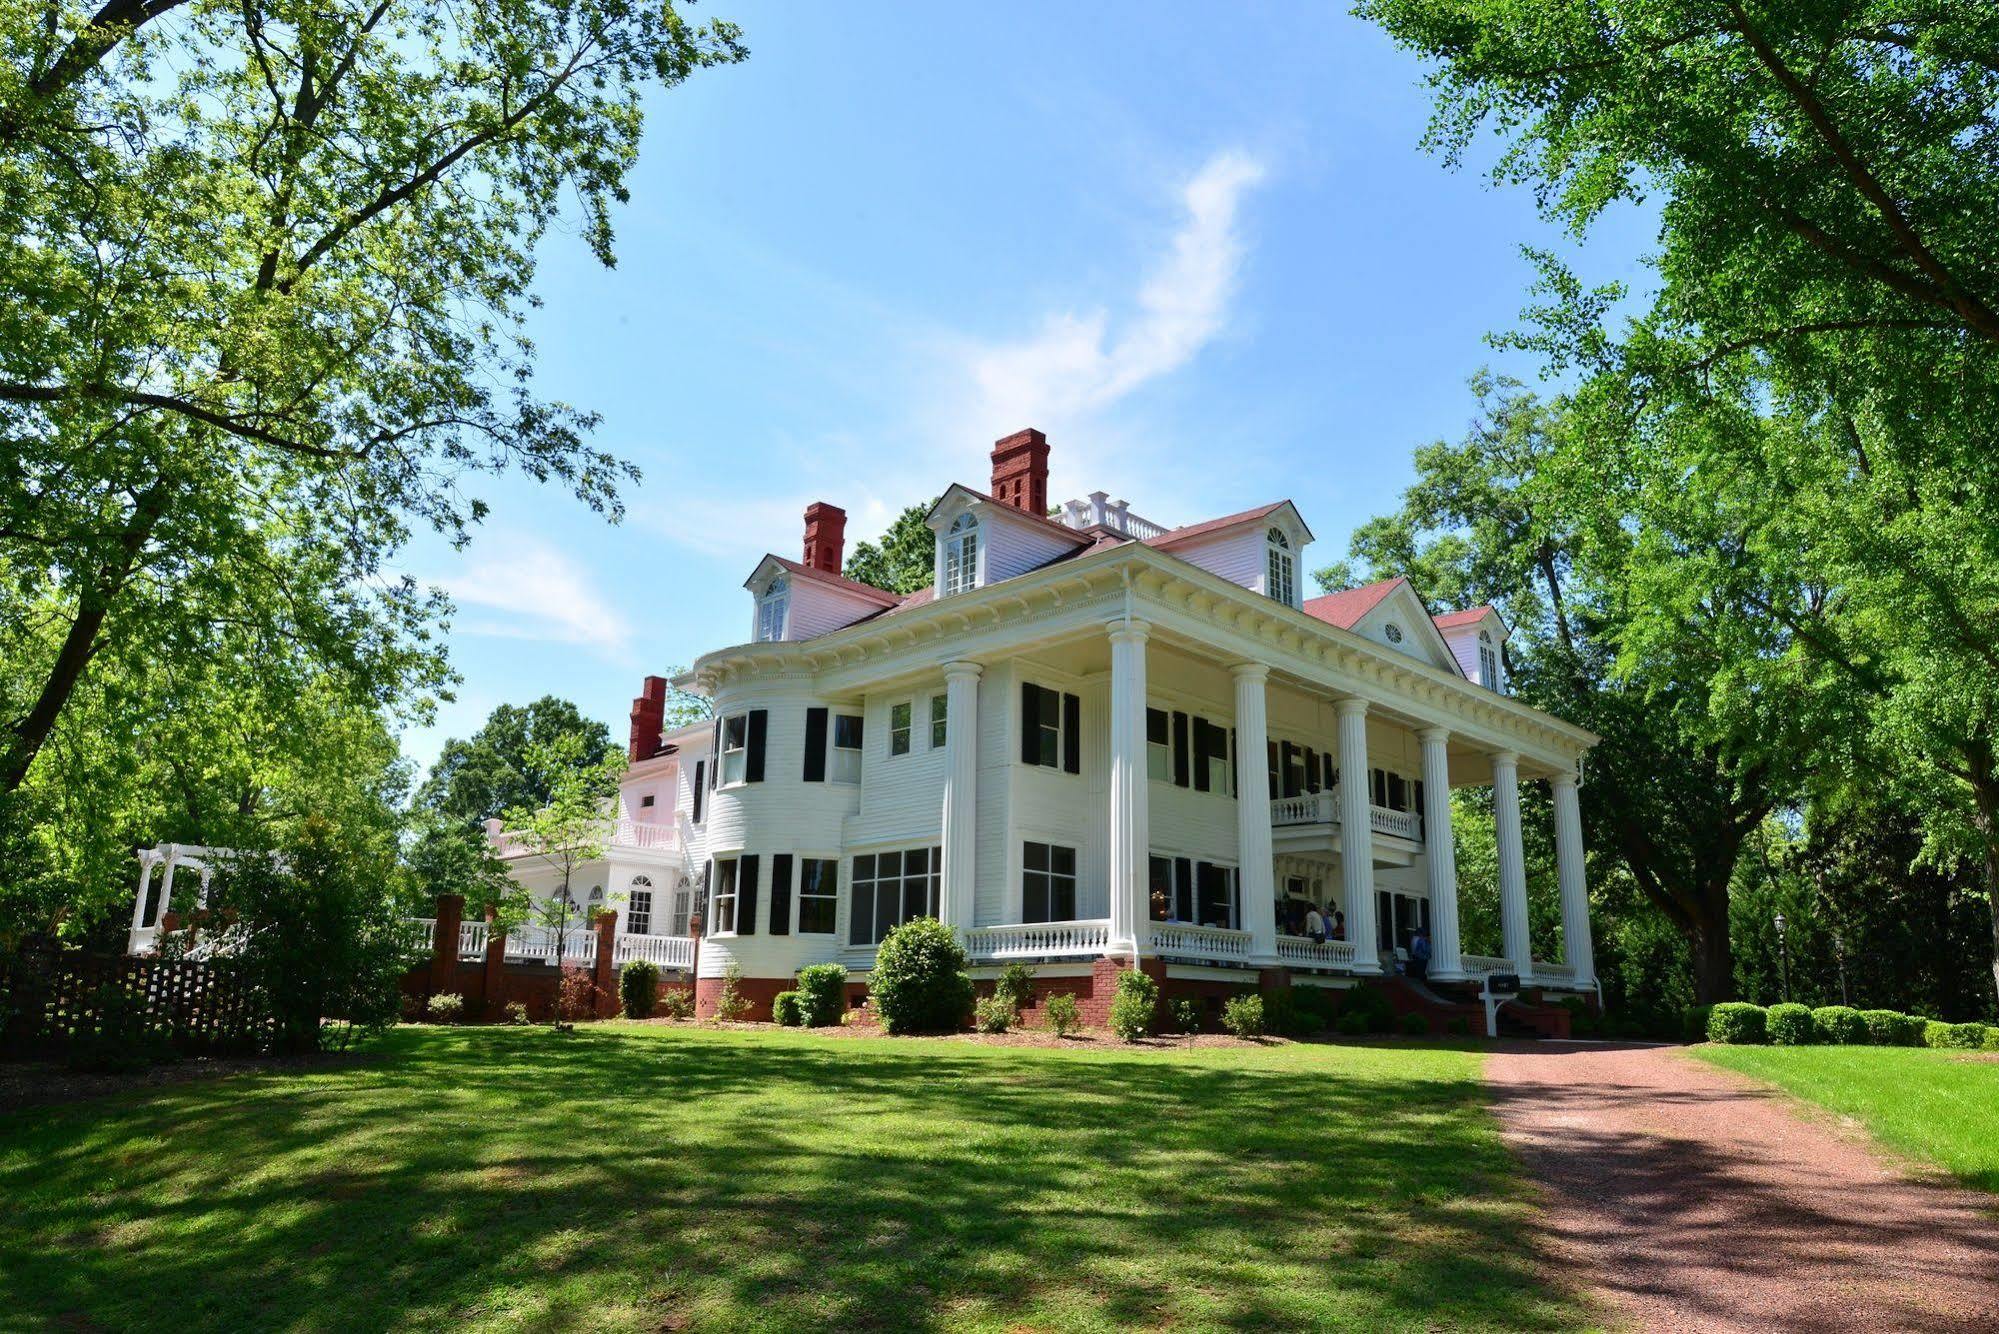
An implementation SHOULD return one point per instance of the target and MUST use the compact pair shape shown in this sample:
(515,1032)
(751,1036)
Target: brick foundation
(757,991)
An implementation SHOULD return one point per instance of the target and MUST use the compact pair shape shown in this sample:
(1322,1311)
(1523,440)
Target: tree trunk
(1714,958)
(1985,804)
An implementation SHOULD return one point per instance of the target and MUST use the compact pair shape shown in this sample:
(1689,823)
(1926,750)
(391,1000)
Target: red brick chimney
(825,536)
(648,720)
(1020,472)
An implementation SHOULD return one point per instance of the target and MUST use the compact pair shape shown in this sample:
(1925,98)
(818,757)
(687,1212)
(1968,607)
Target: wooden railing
(666,951)
(1203,942)
(1039,940)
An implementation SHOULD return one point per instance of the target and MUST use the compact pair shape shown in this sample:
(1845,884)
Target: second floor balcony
(622,834)
(1319,812)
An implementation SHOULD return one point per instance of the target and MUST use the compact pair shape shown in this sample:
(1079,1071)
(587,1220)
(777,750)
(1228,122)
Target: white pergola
(170,856)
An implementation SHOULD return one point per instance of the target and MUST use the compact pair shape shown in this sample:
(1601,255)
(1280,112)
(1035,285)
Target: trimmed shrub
(824,987)
(919,983)
(1953,1037)
(638,988)
(1839,1025)
(517,1013)
(1694,1023)
(1583,1021)
(1414,1025)
(1456,1027)
(446,1007)
(1299,1012)
(1789,1025)
(1738,1023)
(1376,1014)
(676,1003)
(1133,1005)
(1186,1015)
(787,1008)
(1063,1014)
(1352,1024)
(994,1014)
(1243,1016)
(1992,1037)
(1890,1028)
(1015,985)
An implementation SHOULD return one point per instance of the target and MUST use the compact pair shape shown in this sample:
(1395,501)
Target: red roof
(1346,607)
(868,591)
(1194,530)
(1471,615)
(975,494)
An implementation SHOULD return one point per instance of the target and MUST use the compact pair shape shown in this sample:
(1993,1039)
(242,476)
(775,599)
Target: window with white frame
(818,895)
(638,907)
(890,888)
(1281,569)
(1215,889)
(961,556)
(1048,883)
(899,728)
(845,766)
(1488,661)
(735,748)
(683,906)
(940,721)
(771,608)
(1158,747)
(722,898)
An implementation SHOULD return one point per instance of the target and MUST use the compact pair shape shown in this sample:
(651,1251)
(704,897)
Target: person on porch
(1339,925)
(1315,925)
(1419,955)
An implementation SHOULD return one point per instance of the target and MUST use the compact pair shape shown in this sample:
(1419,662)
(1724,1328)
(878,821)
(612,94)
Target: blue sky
(1208,257)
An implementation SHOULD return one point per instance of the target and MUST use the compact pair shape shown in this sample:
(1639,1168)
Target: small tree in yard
(638,988)
(919,983)
(569,831)
(1133,1004)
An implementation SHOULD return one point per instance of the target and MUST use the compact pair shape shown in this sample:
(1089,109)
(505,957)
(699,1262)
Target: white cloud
(524,587)
(1079,363)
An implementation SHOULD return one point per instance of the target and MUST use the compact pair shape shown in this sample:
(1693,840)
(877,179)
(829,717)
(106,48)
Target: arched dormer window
(771,608)
(1488,661)
(961,556)
(1282,568)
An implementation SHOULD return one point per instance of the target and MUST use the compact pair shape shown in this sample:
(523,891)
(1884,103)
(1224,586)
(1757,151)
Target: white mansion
(1092,739)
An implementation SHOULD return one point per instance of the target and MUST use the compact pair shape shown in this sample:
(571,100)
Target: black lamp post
(1783,958)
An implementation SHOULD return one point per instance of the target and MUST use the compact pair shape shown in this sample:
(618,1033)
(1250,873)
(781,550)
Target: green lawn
(670,1177)
(1934,1106)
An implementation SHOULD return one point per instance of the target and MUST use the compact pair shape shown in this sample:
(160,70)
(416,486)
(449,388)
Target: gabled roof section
(818,576)
(1452,620)
(1209,527)
(960,489)
(1345,608)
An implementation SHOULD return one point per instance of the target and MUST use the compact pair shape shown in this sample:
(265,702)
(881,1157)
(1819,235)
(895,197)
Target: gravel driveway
(1690,1198)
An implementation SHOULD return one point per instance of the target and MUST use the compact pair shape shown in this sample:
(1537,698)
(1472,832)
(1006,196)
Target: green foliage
(919,983)
(824,986)
(1738,1022)
(638,988)
(1789,1025)
(994,1014)
(1015,984)
(787,1009)
(1186,1014)
(676,1003)
(904,561)
(1063,1014)
(124,1039)
(517,1013)
(1953,1037)
(1352,1025)
(1414,1025)
(446,1007)
(1243,1015)
(567,831)
(1694,1024)
(730,1003)
(1369,1007)
(1583,1021)
(575,997)
(1888,1028)
(1839,1025)
(497,770)
(1456,1027)
(1299,1011)
(1133,1004)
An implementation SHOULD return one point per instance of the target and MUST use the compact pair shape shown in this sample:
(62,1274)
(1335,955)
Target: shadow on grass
(661,1180)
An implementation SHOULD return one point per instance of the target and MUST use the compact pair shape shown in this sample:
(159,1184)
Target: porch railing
(1206,942)
(1324,808)
(1402,824)
(471,940)
(1553,972)
(1478,965)
(665,951)
(537,944)
(619,833)
(1039,940)
(1303,949)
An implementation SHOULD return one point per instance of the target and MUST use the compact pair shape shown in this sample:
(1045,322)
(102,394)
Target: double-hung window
(890,888)
(1281,570)
(1048,883)
(1158,747)
(638,907)
(735,748)
(1051,728)
(846,762)
(961,556)
(940,721)
(771,608)
(818,895)
(1488,662)
(722,898)
(898,728)
(683,906)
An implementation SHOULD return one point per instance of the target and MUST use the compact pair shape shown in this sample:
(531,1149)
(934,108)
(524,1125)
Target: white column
(167,882)
(1259,886)
(146,864)
(1130,814)
(1512,863)
(961,783)
(1357,837)
(1576,946)
(1440,855)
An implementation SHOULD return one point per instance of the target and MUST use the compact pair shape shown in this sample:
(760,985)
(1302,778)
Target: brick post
(495,989)
(606,976)
(444,944)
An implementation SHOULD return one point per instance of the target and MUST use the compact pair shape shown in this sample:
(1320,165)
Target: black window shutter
(700,787)
(715,756)
(780,894)
(1311,770)
(1179,749)
(1202,749)
(1276,782)
(1235,765)
(753,763)
(1030,723)
(1072,734)
(746,895)
(815,745)
(1286,753)
(1183,887)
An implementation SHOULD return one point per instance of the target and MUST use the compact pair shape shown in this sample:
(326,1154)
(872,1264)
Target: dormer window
(771,608)
(961,556)
(1488,661)
(1281,580)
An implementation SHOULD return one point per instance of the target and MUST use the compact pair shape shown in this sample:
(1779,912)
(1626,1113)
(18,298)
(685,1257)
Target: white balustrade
(665,951)
(620,833)
(537,945)
(471,940)
(1039,940)
(1401,824)
(1478,965)
(1554,972)
(1202,942)
(422,934)
(1303,949)
(1324,808)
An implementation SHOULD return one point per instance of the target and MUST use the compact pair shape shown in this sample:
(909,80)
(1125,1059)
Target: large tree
(267,269)
(905,559)
(508,763)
